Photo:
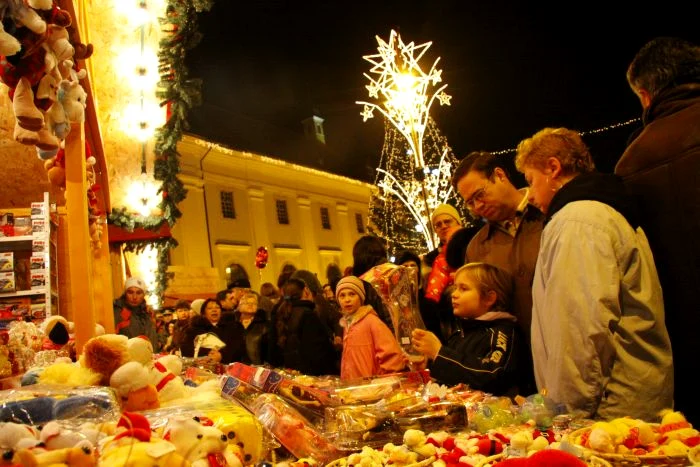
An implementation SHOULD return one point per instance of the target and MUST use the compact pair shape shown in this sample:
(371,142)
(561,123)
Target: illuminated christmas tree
(397,210)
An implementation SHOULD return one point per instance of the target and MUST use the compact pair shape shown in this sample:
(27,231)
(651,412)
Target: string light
(582,133)
(404,94)
(137,65)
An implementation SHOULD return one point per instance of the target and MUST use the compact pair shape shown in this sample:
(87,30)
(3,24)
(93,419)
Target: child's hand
(426,343)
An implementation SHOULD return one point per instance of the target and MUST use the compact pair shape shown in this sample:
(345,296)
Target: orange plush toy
(131,381)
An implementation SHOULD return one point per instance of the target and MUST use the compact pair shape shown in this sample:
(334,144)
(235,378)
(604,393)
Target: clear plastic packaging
(293,430)
(38,404)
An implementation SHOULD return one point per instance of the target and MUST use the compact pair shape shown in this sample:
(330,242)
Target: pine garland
(179,94)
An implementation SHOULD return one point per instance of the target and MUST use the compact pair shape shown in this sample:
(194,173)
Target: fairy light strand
(582,133)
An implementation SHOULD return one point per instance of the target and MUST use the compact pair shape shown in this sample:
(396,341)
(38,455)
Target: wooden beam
(79,249)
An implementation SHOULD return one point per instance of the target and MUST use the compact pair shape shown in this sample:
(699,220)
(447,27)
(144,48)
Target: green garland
(179,93)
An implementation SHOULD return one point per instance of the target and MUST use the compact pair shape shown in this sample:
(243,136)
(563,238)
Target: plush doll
(242,429)
(8,44)
(55,331)
(140,350)
(79,456)
(203,446)
(55,169)
(15,435)
(68,374)
(164,374)
(133,446)
(74,100)
(104,354)
(53,437)
(131,382)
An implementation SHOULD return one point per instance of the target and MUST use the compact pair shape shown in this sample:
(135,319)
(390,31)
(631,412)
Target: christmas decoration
(414,173)
(178,93)
(261,258)
(405,94)
(397,211)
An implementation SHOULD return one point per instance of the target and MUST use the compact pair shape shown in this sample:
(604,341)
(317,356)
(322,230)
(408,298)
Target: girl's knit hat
(352,283)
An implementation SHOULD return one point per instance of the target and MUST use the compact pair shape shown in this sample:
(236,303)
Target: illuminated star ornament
(404,90)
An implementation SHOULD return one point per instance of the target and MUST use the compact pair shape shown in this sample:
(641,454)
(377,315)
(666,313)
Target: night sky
(511,69)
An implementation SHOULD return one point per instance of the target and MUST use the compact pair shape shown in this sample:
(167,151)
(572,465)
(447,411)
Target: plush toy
(16,435)
(54,437)
(242,429)
(79,456)
(69,374)
(203,446)
(133,446)
(131,381)
(55,168)
(55,331)
(140,350)
(104,354)
(8,44)
(164,375)
(73,98)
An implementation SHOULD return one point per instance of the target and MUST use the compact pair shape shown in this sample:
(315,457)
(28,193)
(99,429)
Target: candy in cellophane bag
(398,288)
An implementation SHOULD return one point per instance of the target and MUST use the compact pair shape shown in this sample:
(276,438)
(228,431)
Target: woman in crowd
(486,349)
(255,330)
(132,316)
(302,338)
(599,340)
(228,331)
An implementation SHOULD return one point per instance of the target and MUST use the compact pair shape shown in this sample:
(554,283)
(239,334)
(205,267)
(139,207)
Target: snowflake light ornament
(405,91)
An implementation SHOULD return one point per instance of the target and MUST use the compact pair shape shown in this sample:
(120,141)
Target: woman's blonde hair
(565,145)
(490,278)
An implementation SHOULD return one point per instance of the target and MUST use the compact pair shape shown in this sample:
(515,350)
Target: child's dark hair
(490,278)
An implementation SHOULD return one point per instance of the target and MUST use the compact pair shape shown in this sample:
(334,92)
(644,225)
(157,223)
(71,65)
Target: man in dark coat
(661,166)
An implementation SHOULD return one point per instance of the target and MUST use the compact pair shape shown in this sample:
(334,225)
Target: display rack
(28,272)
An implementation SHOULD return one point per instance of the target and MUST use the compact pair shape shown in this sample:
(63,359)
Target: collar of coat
(351,320)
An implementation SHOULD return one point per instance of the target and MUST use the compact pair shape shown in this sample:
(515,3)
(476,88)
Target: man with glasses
(510,239)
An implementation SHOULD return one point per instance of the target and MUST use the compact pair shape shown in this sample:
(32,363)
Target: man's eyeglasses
(477,196)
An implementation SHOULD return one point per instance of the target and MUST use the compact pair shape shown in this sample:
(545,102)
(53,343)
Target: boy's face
(467,301)
(349,301)
(183,313)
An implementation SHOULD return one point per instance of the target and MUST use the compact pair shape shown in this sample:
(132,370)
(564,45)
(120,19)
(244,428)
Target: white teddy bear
(196,442)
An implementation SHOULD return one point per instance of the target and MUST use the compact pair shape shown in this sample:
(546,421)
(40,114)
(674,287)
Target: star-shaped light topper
(405,92)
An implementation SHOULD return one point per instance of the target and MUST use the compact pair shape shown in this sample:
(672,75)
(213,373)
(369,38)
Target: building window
(325,219)
(282,214)
(360,224)
(227,208)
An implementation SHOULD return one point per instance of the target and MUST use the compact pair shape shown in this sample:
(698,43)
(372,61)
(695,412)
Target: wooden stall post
(79,250)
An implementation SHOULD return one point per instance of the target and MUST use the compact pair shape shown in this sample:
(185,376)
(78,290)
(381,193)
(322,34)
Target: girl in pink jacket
(369,347)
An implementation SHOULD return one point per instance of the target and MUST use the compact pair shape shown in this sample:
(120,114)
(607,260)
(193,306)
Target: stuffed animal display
(38,53)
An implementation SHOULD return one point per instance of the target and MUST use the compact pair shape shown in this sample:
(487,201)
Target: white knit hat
(135,282)
(196,305)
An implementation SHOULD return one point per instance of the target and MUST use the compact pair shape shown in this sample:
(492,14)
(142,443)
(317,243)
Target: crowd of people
(580,284)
